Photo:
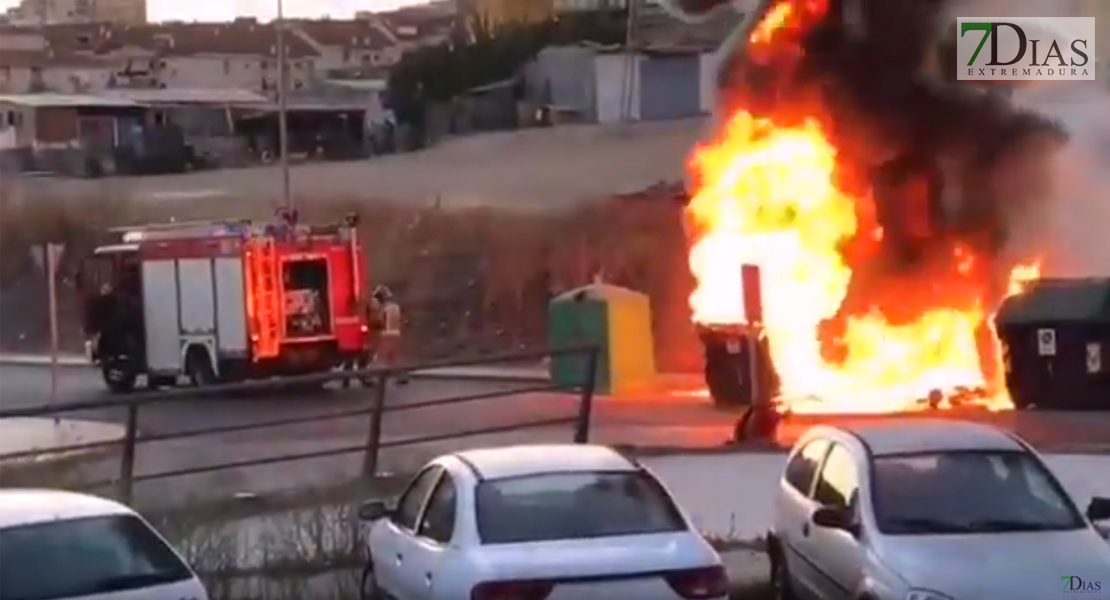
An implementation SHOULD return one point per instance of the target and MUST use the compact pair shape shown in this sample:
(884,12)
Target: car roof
(532,459)
(904,436)
(30,506)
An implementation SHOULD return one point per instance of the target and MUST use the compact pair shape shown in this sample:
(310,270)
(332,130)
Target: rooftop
(931,435)
(515,461)
(52,100)
(30,506)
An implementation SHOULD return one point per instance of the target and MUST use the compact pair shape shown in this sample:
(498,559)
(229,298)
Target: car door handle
(428,579)
(400,558)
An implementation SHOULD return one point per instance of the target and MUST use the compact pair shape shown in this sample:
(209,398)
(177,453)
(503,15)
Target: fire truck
(223,301)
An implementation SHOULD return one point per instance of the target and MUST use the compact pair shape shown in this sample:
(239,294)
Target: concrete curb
(39,360)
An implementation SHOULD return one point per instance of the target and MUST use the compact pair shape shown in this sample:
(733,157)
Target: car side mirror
(1099,509)
(374,510)
(835,518)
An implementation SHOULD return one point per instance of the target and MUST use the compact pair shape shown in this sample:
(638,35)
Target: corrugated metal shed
(51,100)
(670,85)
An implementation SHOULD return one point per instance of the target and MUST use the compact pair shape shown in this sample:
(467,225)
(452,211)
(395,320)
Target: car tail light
(512,590)
(705,582)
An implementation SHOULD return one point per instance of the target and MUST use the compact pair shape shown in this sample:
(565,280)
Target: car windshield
(969,492)
(82,557)
(561,506)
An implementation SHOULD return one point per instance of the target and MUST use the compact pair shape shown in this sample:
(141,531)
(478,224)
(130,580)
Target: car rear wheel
(198,368)
(119,376)
(781,588)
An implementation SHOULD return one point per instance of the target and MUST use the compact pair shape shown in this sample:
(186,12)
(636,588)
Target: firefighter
(99,320)
(369,309)
(389,332)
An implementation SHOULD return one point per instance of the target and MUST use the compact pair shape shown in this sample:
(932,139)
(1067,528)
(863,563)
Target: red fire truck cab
(218,302)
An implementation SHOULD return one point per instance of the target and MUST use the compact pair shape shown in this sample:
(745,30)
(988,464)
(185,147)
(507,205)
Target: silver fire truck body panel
(193,302)
(160,316)
(232,333)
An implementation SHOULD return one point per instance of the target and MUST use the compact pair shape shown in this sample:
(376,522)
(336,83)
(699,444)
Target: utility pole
(283,122)
(628,76)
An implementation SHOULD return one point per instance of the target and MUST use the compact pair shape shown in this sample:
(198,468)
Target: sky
(225,10)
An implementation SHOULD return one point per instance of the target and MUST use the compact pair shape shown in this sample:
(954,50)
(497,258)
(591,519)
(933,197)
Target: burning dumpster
(1055,337)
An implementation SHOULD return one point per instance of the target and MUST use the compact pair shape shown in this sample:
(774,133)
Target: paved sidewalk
(746,567)
(26,435)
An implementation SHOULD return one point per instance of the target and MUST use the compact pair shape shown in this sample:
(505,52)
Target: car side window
(838,484)
(412,501)
(803,466)
(438,523)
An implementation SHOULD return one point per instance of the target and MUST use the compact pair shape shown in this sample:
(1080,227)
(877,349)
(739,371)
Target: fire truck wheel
(119,377)
(198,368)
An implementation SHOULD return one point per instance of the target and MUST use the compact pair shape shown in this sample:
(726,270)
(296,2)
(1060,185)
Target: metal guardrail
(371,448)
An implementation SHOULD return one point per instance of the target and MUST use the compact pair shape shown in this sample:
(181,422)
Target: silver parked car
(930,510)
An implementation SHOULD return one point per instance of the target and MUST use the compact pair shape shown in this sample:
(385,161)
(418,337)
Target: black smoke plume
(945,167)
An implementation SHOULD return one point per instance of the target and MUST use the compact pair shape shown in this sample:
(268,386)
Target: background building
(56,12)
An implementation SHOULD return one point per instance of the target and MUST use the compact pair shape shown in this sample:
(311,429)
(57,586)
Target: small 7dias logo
(1025,48)
(1075,585)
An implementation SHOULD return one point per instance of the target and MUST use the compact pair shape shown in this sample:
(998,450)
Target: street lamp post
(283,123)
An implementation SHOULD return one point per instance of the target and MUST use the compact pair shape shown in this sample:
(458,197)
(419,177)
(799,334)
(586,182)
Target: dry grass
(472,279)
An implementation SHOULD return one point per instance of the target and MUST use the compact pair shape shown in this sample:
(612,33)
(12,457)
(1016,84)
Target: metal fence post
(127,458)
(374,436)
(586,401)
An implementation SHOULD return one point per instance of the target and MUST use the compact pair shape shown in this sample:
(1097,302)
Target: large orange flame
(766,195)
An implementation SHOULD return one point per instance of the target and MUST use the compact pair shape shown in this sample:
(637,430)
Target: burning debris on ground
(875,194)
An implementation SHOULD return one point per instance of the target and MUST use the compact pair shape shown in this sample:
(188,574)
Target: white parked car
(930,510)
(554,522)
(57,545)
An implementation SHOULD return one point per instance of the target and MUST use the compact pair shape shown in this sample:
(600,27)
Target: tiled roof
(177,39)
(46,58)
(411,24)
(654,28)
(360,34)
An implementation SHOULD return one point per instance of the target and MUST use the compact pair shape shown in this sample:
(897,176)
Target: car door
(431,547)
(792,515)
(389,541)
(837,554)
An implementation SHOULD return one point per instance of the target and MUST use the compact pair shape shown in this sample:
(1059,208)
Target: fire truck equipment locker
(1054,338)
(232,337)
(160,316)
(615,318)
(197,301)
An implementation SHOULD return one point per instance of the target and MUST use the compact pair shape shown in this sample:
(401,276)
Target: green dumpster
(618,320)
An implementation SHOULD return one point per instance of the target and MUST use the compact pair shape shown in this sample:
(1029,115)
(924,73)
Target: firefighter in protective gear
(369,308)
(389,332)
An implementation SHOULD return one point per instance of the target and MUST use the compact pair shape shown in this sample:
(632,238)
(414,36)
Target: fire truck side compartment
(193,301)
(232,336)
(1055,339)
(160,315)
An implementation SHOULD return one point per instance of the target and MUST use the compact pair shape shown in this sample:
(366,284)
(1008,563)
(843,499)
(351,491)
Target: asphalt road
(662,420)
(675,422)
